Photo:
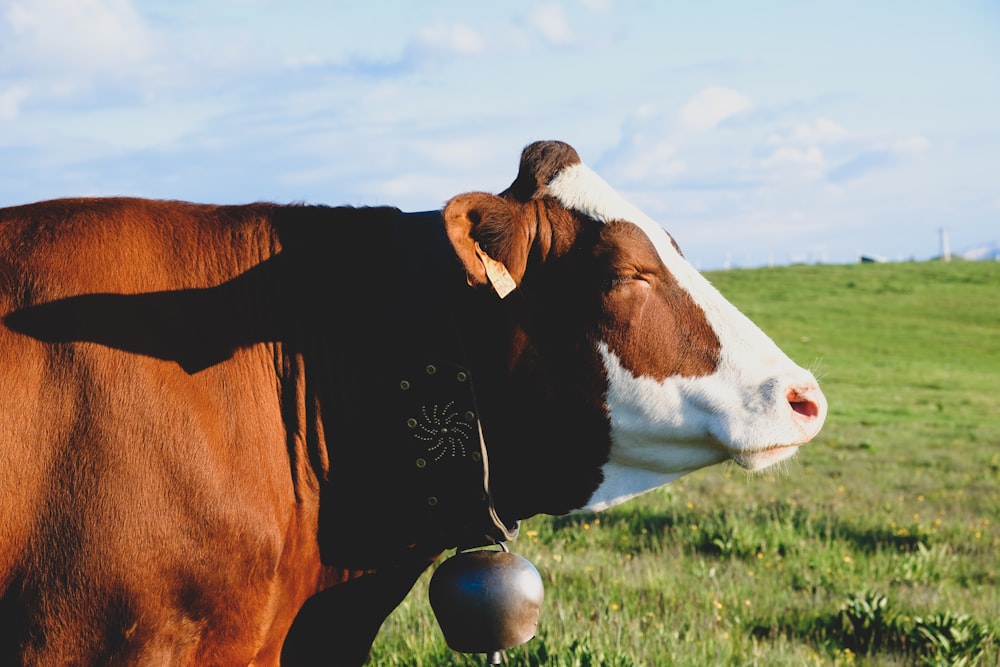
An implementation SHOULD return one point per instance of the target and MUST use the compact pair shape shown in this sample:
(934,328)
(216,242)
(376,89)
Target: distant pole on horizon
(945,248)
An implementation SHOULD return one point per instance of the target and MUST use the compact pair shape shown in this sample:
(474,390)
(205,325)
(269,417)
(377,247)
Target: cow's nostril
(805,408)
(803,402)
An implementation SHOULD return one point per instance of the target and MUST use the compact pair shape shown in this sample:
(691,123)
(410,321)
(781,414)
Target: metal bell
(486,601)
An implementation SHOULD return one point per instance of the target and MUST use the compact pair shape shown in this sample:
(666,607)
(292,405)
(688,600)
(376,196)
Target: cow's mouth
(761,459)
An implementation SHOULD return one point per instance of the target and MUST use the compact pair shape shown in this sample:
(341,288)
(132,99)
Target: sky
(756,133)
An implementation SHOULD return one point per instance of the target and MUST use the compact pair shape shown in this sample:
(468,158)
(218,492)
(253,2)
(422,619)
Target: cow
(238,434)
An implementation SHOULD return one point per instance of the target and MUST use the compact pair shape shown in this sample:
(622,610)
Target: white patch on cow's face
(661,430)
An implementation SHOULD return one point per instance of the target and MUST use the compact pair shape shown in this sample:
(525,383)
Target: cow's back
(139,480)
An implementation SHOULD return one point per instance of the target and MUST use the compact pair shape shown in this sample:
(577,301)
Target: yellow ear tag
(497,273)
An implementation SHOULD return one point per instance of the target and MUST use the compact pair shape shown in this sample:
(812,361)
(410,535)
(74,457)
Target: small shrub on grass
(864,623)
(578,654)
(950,640)
(926,565)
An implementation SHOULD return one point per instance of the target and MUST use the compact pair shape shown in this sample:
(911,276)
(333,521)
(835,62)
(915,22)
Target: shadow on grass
(778,527)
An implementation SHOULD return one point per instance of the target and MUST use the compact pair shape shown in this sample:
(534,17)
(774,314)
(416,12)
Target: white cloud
(452,38)
(911,146)
(600,6)
(830,150)
(11,101)
(409,187)
(788,155)
(551,20)
(457,154)
(711,106)
(802,150)
(54,52)
(651,163)
(74,36)
(822,131)
(647,151)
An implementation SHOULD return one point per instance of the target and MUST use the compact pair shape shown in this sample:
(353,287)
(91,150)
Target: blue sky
(754,132)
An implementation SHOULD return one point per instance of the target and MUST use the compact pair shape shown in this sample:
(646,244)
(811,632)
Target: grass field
(879,544)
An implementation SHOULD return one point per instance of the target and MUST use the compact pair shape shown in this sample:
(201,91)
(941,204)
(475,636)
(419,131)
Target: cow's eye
(623,279)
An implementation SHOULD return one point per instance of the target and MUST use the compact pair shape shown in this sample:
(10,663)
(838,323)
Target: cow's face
(687,380)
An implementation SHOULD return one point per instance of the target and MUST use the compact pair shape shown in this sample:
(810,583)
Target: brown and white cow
(235,435)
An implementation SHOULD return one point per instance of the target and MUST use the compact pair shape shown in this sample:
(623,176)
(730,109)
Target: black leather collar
(408,459)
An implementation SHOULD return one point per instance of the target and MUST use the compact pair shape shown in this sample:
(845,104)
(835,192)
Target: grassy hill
(877,545)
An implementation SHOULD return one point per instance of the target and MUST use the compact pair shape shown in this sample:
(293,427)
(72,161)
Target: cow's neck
(543,417)
(537,394)
(396,387)
(386,297)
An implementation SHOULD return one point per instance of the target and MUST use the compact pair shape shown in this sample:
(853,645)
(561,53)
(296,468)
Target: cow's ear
(480,226)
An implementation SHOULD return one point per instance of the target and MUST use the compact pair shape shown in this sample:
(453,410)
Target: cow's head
(617,339)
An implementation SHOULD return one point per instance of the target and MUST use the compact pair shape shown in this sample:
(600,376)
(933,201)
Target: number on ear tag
(497,273)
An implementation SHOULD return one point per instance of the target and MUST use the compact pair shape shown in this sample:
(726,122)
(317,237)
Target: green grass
(877,545)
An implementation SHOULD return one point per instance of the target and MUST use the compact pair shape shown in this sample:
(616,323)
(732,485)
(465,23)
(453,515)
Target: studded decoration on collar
(448,454)
(422,457)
